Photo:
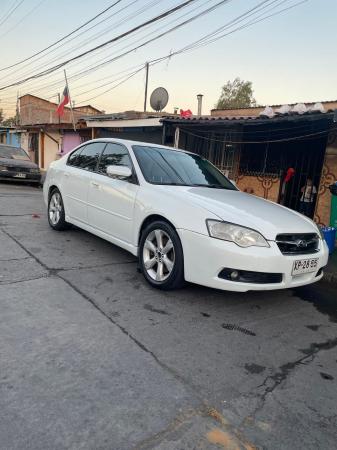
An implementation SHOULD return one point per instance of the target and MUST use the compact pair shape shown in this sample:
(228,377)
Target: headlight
(320,233)
(34,170)
(3,169)
(242,236)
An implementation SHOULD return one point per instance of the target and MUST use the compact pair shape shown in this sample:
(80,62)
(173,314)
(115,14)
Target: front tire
(161,257)
(56,214)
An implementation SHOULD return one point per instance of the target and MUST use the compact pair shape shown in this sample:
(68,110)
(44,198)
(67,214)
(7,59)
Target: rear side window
(73,157)
(114,155)
(87,159)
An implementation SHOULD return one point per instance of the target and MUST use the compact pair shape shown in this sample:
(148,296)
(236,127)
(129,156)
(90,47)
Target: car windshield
(173,167)
(13,153)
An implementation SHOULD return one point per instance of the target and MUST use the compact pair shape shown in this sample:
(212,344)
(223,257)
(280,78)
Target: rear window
(87,156)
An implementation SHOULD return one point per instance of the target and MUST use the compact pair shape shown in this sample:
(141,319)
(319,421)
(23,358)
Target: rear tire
(161,257)
(56,214)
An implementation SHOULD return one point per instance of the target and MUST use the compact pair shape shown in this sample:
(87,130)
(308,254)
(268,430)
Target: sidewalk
(330,273)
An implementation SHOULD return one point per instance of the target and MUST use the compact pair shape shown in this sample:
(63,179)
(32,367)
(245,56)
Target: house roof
(230,120)
(126,115)
(325,102)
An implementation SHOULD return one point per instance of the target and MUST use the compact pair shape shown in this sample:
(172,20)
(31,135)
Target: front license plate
(305,266)
(20,175)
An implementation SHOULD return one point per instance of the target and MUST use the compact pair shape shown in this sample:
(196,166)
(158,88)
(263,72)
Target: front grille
(298,243)
(18,169)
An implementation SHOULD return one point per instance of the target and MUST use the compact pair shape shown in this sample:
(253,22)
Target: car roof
(140,143)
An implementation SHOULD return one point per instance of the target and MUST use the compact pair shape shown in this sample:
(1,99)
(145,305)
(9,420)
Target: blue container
(330,237)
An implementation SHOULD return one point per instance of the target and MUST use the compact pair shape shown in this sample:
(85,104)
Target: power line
(63,38)
(186,48)
(11,11)
(151,40)
(248,24)
(23,18)
(61,44)
(114,87)
(96,67)
(90,39)
(104,44)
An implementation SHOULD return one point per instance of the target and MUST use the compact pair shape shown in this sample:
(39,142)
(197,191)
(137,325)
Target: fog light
(234,275)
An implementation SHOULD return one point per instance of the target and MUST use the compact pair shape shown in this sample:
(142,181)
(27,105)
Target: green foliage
(11,121)
(236,94)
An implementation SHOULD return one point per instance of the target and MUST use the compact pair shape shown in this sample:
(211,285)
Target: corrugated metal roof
(272,106)
(241,119)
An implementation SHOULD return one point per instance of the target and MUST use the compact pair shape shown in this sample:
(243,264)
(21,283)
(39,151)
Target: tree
(1,115)
(236,94)
(9,122)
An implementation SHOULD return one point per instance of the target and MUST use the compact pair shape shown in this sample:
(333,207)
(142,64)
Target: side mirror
(118,172)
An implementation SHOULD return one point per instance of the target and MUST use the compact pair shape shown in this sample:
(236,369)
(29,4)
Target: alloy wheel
(158,255)
(55,208)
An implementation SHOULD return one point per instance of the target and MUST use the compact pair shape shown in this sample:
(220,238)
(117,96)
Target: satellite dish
(159,99)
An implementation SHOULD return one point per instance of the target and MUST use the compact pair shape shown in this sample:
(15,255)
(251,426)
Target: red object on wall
(289,175)
(187,113)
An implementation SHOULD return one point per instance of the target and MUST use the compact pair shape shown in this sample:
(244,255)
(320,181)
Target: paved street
(93,358)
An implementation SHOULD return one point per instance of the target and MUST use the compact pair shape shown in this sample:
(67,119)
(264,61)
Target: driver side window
(114,155)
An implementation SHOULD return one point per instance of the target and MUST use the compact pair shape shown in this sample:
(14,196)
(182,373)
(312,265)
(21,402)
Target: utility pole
(59,101)
(146,84)
(17,114)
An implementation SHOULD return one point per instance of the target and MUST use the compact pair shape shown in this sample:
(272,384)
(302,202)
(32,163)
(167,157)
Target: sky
(288,58)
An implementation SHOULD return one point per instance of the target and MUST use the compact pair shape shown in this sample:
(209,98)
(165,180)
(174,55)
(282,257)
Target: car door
(76,179)
(111,200)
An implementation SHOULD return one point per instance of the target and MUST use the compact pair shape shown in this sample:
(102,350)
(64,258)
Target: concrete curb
(330,277)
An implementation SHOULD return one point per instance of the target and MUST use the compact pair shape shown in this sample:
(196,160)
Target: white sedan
(182,218)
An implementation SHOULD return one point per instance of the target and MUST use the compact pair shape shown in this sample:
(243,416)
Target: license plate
(305,266)
(20,175)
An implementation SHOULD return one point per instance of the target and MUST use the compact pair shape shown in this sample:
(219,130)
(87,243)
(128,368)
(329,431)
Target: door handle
(94,184)
(66,174)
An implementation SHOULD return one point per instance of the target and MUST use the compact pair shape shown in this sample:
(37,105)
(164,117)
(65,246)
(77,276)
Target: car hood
(17,163)
(247,210)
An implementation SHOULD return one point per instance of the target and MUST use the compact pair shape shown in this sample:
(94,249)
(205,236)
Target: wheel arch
(152,218)
(51,189)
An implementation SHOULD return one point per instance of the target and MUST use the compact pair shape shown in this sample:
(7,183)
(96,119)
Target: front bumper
(205,257)
(14,176)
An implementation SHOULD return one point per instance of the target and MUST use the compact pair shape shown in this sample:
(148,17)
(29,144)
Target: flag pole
(71,106)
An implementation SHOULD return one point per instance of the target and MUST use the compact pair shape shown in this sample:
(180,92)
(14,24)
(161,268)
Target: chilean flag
(64,101)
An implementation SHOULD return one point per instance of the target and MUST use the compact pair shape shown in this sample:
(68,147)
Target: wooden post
(70,104)
(42,150)
(176,138)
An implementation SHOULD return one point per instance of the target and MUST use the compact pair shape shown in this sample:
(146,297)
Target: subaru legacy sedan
(182,217)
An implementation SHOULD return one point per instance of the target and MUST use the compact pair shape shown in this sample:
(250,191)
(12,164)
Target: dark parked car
(15,165)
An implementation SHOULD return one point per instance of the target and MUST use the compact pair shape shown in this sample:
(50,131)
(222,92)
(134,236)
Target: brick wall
(35,110)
